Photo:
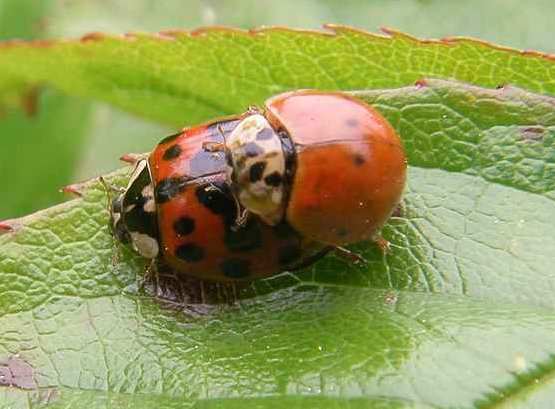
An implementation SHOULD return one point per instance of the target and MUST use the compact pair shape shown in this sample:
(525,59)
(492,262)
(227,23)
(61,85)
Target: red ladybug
(272,189)
(179,208)
(327,163)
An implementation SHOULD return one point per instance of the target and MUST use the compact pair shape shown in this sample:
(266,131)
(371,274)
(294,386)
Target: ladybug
(326,163)
(269,190)
(179,209)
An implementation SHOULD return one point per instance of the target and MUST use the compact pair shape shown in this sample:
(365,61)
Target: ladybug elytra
(269,190)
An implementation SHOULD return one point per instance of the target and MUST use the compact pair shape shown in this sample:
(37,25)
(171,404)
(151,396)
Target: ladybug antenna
(109,189)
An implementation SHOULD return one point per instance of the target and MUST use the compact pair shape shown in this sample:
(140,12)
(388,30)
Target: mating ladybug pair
(273,189)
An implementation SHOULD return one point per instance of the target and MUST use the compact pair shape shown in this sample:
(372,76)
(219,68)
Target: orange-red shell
(350,165)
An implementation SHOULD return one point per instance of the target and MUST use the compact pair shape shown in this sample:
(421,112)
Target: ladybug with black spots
(179,208)
(270,190)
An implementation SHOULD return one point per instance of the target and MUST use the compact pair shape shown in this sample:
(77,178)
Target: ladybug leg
(213,146)
(242,217)
(382,244)
(150,275)
(253,109)
(349,255)
(110,188)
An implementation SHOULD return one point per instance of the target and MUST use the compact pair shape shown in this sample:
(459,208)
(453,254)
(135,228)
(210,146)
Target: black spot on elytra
(219,200)
(184,226)
(235,268)
(256,171)
(172,152)
(189,252)
(170,138)
(168,188)
(244,238)
(274,179)
(288,254)
(351,122)
(252,149)
(358,159)
(264,134)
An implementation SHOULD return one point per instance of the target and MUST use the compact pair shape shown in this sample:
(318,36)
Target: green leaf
(459,313)
(40,146)
(185,77)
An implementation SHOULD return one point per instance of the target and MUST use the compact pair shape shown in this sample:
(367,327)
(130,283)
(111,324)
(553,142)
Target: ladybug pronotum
(269,190)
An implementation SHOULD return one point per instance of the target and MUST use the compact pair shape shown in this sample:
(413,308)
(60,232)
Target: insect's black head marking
(273,179)
(256,171)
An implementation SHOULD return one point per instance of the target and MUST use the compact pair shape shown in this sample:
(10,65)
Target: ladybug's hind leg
(151,275)
(349,255)
(382,244)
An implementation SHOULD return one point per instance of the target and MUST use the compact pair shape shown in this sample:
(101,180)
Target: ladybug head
(118,227)
(133,213)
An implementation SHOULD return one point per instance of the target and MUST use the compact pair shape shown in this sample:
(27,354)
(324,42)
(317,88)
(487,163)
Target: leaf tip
(6,227)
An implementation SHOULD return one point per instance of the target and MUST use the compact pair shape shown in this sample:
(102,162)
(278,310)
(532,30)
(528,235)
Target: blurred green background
(69,139)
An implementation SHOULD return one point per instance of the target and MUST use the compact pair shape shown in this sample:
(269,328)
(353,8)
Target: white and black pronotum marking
(134,213)
(257,167)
